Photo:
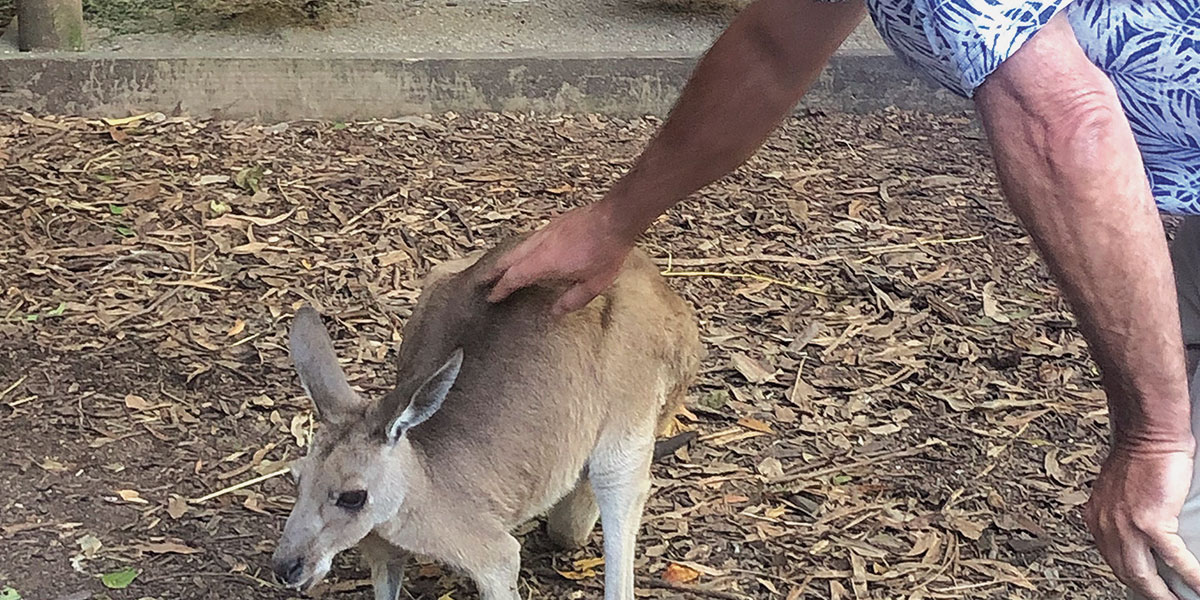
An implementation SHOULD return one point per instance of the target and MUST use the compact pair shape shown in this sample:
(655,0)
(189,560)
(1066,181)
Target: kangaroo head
(360,465)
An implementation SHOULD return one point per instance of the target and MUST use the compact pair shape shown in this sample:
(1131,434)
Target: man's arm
(743,87)
(1070,168)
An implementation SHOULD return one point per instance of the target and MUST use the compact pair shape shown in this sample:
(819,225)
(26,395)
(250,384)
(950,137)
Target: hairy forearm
(1071,170)
(743,87)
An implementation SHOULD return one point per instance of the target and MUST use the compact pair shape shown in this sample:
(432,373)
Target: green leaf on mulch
(8,593)
(217,207)
(119,580)
(248,178)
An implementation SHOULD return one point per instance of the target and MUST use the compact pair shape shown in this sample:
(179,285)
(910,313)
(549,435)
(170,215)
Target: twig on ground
(737,260)
(239,486)
(752,276)
(878,458)
(654,583)
(1008,444)
(13,386)
(919,243)
(650,582)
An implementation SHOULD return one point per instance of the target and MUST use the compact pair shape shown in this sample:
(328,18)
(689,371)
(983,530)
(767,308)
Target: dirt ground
(137,16)
(895,402)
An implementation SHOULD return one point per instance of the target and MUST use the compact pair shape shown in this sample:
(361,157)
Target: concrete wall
(359,86)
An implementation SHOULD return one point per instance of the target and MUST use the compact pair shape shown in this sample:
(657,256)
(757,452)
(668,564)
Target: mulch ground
(895,403)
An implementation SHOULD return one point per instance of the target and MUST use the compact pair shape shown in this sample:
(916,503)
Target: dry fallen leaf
(132,496)
(801,394)
(837,591)
(576,575)
(771,467)
(238,327)
(143,193)
(990,308)
(301,429)
(89,545)
(131,121)
(254,502)
(32,120)
(935,274)
(756,425)
(176,507)
(942,180)
(885,429)
(211,179)
(52,465)
(584,569)
(751,369)
(1073,498)
(678,574)
(135,402)
(394,257)
(249,248)
(970,529)
(783,414)
(1053,469)
(118,135)
(799,210)
(167,547)
(488,177)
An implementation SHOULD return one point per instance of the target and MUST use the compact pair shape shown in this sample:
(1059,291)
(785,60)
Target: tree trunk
(50,24)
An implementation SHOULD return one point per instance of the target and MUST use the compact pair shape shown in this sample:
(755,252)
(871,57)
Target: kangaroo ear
(427,399)
(322,377)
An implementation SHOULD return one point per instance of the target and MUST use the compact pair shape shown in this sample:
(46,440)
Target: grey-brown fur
(541,411)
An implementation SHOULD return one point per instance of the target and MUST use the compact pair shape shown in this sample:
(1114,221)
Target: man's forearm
(1071,170)
(743,87)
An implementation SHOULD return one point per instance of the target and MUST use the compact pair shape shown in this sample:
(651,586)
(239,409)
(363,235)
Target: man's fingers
(1175,554)
(1111,553)
(575,298)
(515,256)
(510,273)
(1141,572)
(509,281)
(1150,587)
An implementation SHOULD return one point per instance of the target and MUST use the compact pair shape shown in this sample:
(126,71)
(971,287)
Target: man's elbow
(1072,123)
(1080,127)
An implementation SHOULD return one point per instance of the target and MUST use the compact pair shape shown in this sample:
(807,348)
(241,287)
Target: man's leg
(1185,260)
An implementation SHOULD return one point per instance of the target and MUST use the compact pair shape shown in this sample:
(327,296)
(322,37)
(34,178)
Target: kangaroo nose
(289,570)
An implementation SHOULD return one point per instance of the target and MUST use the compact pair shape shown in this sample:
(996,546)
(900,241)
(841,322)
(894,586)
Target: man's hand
(743,87)
(581,249)
(1134,515)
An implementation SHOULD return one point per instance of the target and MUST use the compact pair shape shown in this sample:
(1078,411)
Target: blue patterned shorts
(1149,49)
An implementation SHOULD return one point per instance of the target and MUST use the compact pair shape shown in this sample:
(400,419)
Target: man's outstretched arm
(1071,170)
(744,86)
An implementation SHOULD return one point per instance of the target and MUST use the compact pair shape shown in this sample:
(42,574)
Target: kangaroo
(501,413)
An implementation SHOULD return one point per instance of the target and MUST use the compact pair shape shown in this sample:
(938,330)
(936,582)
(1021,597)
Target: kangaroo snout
(289,570)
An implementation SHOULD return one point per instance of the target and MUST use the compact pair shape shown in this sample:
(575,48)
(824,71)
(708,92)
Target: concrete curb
(274,88)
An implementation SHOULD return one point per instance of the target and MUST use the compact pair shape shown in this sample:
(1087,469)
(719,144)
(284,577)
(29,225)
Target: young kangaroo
(502,413)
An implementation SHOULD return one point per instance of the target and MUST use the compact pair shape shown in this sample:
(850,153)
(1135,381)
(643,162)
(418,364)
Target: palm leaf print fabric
(1150,50)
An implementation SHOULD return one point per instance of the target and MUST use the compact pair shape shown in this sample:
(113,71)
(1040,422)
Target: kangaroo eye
(352,500)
